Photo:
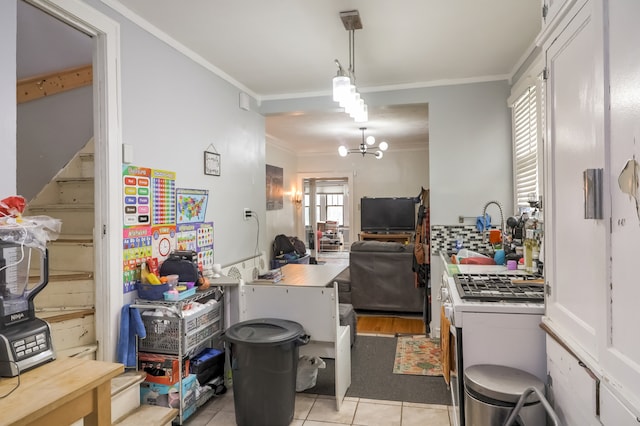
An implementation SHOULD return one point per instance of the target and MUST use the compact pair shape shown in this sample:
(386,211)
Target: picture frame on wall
(211,163)
(275,192)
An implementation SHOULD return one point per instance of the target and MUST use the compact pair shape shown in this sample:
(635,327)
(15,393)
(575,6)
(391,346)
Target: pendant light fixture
(364,147)
(344,83)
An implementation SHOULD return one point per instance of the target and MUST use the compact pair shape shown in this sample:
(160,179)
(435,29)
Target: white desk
(308,295)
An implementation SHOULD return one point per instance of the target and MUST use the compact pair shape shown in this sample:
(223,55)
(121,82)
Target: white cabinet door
(621,358)
(576,248)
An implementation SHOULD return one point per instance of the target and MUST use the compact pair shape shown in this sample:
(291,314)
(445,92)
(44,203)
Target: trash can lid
(501,383)
(264,331)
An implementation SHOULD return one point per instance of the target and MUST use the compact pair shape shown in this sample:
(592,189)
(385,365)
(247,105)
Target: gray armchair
(381,278)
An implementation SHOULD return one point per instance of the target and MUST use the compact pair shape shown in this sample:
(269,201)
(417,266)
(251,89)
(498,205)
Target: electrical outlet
(246,213)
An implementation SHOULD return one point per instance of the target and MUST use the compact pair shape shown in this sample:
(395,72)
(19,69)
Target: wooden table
(398,238)
(59,393)
(310,275)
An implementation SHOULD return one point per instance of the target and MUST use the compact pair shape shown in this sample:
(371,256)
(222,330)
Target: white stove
(495,318)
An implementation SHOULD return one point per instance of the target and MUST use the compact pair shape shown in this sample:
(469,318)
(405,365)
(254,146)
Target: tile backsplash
(443,237)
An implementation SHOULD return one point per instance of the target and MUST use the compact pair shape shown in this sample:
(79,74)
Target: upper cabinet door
(575,247)
(552,14)
(622,356)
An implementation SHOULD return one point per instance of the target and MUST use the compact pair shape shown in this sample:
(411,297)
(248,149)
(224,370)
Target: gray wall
(172,111)
(8,98)
(468,161)
(50,130)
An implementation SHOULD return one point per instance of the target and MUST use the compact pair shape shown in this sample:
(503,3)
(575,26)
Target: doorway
(107,221)
(326,211)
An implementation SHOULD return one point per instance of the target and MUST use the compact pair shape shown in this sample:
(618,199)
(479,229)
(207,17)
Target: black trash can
(264,365)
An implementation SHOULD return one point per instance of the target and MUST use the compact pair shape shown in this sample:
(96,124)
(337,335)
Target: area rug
(417,355)
(372,376)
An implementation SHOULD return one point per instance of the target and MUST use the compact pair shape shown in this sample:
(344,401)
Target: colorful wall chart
(191,205)
(137,195)
(163,191)
(137,249)
(197,237)
(163,241)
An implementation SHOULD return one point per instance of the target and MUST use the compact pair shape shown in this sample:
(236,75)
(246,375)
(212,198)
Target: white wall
(397,174)
(469,156)
(8,25)
(172,111)
(283,221)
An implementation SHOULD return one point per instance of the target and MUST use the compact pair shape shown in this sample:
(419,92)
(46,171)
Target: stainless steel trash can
(492,391)
(264,365)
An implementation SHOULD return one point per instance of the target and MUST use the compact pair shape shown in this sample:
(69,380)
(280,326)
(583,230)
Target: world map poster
(191,205)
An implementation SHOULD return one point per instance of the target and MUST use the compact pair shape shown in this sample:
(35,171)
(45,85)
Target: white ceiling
(278,49)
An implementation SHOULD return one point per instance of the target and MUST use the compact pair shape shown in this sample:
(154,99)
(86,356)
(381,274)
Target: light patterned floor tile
(417,416)
(370,414)
(223,418)
(381,401)
(324,410)
(303,406)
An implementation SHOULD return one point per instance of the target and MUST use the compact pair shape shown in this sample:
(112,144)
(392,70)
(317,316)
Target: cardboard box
(162,369)
(169,396)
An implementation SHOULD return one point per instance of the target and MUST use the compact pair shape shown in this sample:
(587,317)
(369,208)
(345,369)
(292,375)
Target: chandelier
(364,147)
(344,83)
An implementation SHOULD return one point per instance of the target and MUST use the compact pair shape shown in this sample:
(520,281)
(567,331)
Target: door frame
(107,232)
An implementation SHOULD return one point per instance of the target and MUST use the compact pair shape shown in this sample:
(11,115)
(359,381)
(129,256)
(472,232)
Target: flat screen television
(388,214)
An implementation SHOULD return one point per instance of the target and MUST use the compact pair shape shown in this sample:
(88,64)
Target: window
(335,208)
(525,124)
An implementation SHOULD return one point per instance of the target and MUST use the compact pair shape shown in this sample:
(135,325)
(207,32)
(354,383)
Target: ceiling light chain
(344,83)
(363,149)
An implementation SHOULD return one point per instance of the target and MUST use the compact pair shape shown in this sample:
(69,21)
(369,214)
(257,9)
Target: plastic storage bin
(264,365)
(163,331)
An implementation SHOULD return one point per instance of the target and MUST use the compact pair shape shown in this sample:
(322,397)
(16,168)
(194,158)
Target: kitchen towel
(130,325)
(483,224)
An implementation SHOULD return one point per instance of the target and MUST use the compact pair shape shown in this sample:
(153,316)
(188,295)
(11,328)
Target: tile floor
(316,410)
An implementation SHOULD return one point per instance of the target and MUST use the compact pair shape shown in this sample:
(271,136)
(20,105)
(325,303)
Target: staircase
(67,303)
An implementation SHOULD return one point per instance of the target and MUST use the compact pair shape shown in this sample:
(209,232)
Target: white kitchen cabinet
(621,357)
(552,13)
(575,248)
(593,122)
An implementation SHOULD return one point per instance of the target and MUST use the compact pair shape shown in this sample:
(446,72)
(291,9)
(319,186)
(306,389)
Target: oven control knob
(448,311)
(444,293)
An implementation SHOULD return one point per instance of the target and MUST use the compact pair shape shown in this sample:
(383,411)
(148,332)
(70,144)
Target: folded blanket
(131,325)
(481,224)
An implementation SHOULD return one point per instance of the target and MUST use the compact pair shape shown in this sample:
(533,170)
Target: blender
(25,341)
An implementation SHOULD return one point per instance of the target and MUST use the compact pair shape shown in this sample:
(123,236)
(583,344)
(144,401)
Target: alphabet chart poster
(137,195)
(137,249)
(163,190)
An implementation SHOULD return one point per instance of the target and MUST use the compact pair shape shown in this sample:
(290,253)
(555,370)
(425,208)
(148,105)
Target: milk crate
(163,335)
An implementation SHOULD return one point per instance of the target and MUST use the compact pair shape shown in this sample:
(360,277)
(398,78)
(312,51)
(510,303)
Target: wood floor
(377,324)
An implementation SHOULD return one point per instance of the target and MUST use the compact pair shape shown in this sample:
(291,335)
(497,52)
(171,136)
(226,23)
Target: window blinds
(525,147)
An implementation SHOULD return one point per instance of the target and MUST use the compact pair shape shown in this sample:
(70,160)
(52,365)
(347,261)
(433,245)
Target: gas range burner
(500,288)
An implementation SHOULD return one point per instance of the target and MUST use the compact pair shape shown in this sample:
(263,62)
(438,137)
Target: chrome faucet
(502,228)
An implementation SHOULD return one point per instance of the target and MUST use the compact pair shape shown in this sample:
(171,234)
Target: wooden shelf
(404,238)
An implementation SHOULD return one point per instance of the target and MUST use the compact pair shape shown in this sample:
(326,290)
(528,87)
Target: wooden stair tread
(80,179)
(149,415)
(62,207)
(126,380)
(71,238)
(53,316)
(57,276)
